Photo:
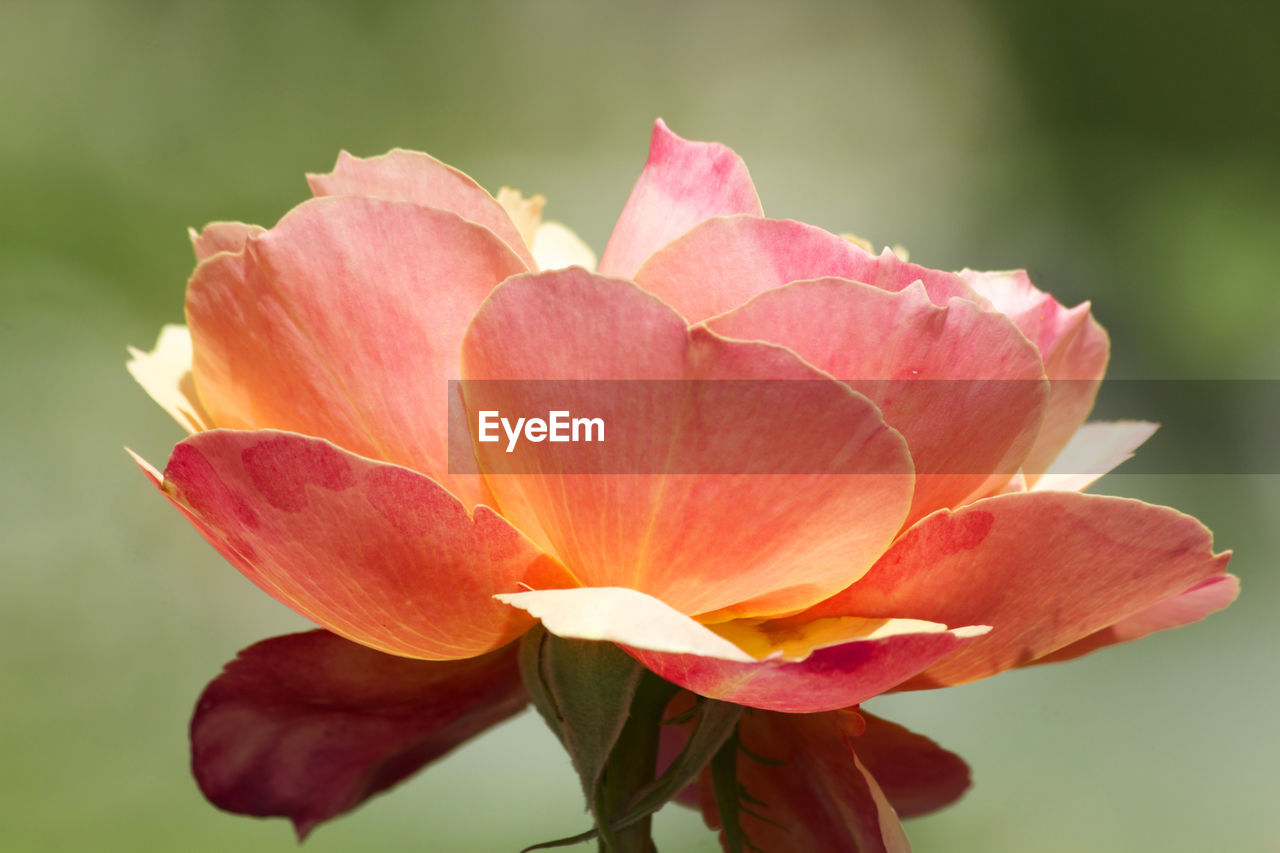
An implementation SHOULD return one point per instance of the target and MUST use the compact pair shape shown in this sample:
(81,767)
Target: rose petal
(412,176)
(684,520)
(309,726)
(725,261)
(344,322)
(915,774)
(962,385)
(684,652)
(525,213)
(556,247)
(1094,450)
(165,374)
(221,237)
(1044,569)
(813,794)
(1208,596)
(376,553)
(682,184)
(1075,351)
(617,615)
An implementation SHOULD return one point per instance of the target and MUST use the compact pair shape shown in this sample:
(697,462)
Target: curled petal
(412,176)
(309,726)
(1207,596)
(1044,569)
(221,237)
(165,374)
(344,322)
(857,660)
(1074,348)
(725,261)
(962,385)
(376,553)
(682,184)
(748,497)
(805,789)
(1093,450)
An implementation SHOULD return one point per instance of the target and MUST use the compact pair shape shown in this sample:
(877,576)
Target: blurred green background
(1124,153)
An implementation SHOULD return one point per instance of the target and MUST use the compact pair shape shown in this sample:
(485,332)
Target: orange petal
(682,184)
(725,261)
(344,322)
(962,385)
(1075,351)
(1208,596)
(412,176)
(376,553)
(1044,569)
(674,516)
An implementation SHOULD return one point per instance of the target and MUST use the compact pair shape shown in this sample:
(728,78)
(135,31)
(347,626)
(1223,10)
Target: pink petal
(682,184)
(1208,596)
(1093,450)
(165,374)
(221,237)
(1074,347)
(309,726)
(376,553)
(686,653)
(344,322)
(724,262)
(915,774)
(814,794)
(962,385)
(412,176)
(681,521)
(1044,569)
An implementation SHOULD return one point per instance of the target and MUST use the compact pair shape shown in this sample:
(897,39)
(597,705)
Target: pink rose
(315,380)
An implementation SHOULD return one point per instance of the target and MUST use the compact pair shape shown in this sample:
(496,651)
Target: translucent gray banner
(970,428)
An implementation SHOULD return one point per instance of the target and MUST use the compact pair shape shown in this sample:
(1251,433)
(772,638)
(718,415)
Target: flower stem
(631,766)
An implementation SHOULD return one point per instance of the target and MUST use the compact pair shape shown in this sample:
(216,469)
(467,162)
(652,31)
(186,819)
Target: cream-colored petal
(626,616)
(165,374)
(555,246)
(526,213)
(1094,450)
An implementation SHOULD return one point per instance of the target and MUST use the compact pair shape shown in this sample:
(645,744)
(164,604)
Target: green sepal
(584,691)
(563,842)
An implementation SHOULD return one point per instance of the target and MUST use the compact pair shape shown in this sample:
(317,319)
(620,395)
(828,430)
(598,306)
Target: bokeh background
(1124,152)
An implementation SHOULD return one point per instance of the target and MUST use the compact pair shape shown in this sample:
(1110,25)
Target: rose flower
(324,375)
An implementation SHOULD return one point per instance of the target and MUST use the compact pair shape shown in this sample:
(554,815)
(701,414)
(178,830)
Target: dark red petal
(916,775)
(308,726)
(807,789)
